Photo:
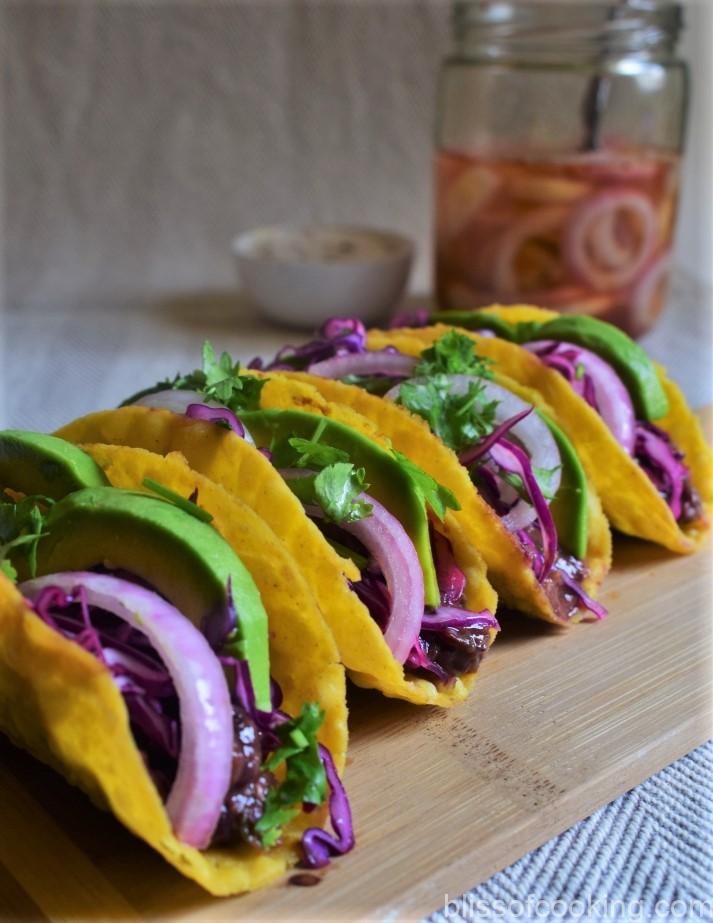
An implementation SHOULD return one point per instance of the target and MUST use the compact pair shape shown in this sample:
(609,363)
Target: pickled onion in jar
(609,238)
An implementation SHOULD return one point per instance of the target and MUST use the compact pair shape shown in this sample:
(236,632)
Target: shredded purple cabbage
(374,594)
(451,579)
(586,601)
(418,317)
(565,360)
(215,415)
(337,336)
(455,617)
(662,462)
(534,554)
(489,485)
(513,459)
(318,845)
(484,445)
(136,668)
(531,549)
(419,660)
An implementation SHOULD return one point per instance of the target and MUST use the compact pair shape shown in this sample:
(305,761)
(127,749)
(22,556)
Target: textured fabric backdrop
(141,136)
(646,856)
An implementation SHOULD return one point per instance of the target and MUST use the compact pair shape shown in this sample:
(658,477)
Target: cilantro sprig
(218,380)
(337,483)
(22,525)
(452,354)
(305,780)
(459,420)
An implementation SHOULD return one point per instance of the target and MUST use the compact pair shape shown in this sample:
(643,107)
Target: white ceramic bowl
(302,276)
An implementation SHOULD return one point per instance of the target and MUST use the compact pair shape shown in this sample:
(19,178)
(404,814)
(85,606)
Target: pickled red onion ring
(377,362)
(180,402)
(531,431)
(388,543)
(541,221)
(206,753)
(591,248)
(611,396)
(647,296)
(173,399)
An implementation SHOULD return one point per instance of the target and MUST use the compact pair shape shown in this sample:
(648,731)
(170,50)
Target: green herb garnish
(218,380)
(337,482)
(22,525)
(452,354)
(187,504)
(305,779)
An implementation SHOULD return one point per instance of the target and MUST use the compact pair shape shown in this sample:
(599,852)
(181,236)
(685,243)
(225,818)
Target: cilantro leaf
(336,486)
(452,354)
(315,454)
(336,489)
(297,452)
(543,476)
(305,780)
(22,525)
(459,420)
(218,379)
(438,497)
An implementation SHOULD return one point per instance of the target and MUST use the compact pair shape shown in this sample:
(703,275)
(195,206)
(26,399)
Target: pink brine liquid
(588,233)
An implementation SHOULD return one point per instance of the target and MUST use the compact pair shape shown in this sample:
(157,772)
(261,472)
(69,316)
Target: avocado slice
(569,507)
(388,482)
(35,463)
(476,320)
(184,559)
(630,361)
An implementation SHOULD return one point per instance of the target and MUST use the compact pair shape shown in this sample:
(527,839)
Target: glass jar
(560,132)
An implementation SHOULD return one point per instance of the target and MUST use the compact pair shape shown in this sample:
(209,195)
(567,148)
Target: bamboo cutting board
(561,722)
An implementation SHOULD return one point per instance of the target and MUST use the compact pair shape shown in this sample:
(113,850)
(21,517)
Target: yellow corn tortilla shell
(507,565)
(629,498)
(244,472)
(61,704)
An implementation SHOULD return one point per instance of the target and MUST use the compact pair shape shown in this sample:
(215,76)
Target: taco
(640,442)
(534,514)
(402,587)
(192,690)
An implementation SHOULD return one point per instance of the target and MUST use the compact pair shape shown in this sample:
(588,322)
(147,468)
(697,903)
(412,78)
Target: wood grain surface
(561,722)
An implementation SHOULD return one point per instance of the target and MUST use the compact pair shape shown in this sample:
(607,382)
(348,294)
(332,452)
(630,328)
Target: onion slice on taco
(640,442)
(134,659)
(372,532)
(535,515)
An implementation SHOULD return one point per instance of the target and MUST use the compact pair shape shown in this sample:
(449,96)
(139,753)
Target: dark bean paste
(249,785)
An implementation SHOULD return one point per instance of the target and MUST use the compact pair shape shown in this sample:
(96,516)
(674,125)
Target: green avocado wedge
(569,507)
(476,320)
(628,359)
(184,559)
(388,482)
(38,464)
